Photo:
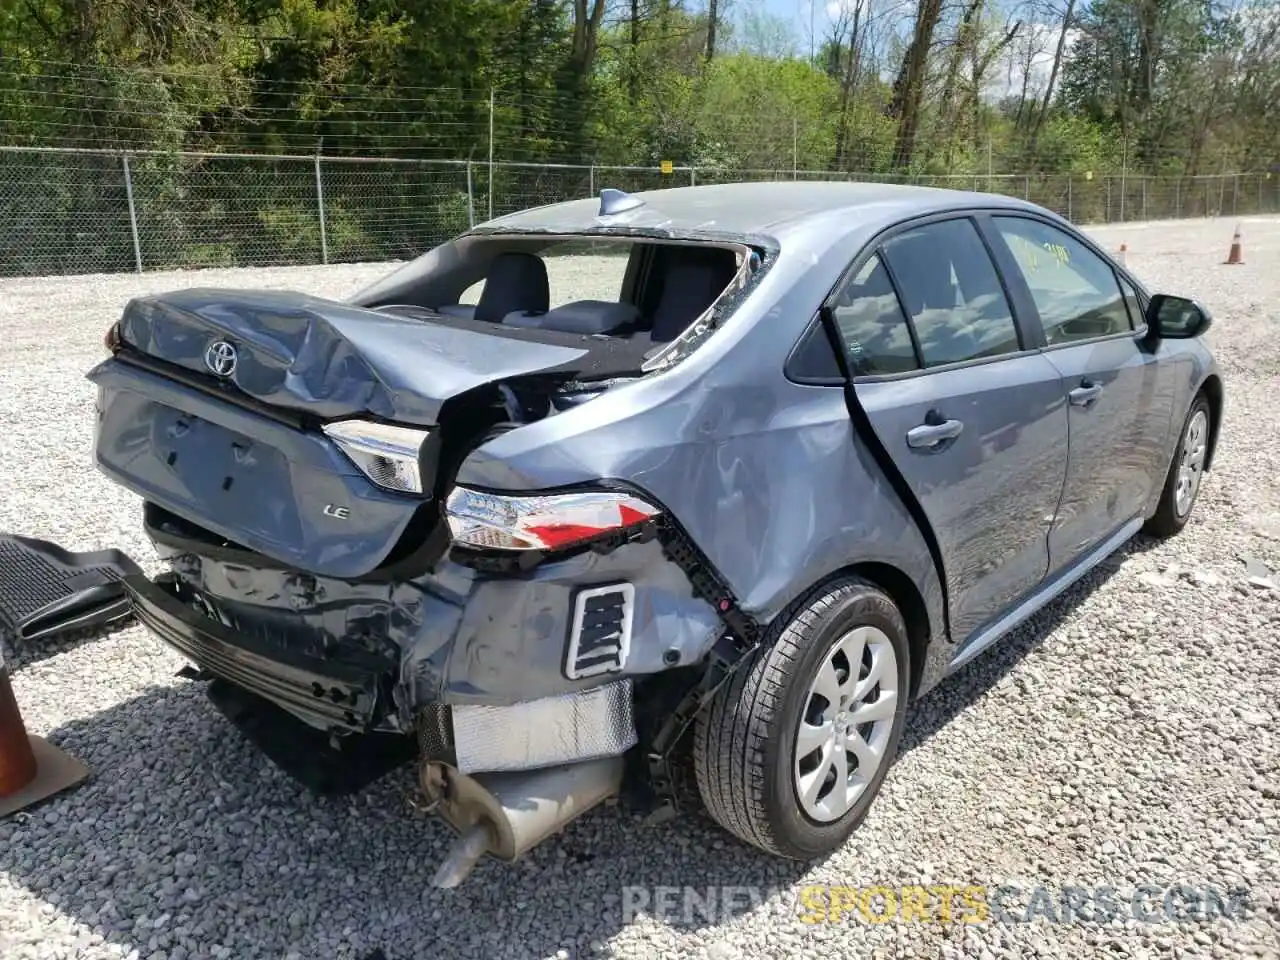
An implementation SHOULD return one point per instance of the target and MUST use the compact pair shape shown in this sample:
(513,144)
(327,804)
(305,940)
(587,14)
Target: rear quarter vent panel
(513,636)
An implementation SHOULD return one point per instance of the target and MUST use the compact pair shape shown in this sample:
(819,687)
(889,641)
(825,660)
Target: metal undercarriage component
(507,814)
(544,733)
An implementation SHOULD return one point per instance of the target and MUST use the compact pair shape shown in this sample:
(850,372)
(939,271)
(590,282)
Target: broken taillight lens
(492,521)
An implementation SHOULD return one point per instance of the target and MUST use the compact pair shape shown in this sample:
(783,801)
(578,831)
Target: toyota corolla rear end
(296,458)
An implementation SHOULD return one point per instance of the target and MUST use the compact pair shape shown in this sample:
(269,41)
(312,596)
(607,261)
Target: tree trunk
(586,34)
(633,65)
(849,83)
(962,41)
(711,29)
(1053,74)
(909,87)
(582,58)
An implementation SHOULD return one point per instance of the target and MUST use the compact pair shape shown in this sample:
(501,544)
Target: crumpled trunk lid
(236,449)
(327,359)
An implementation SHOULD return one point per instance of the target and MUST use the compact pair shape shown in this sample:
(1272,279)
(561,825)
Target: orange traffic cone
(17,759)
(1237,254)
(31,768)
(1124,248)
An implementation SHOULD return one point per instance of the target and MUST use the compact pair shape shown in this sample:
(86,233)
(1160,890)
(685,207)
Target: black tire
(745,742)
(1167,521)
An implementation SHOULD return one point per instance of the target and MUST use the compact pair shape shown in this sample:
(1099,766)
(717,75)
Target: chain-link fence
(86,211)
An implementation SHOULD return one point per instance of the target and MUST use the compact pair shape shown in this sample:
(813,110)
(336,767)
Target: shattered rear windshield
(584,268)
(658,296)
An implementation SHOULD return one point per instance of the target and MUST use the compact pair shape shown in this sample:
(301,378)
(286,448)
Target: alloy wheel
(846,723)
(1191,465)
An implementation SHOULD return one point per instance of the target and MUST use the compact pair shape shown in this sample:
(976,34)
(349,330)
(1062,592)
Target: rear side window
(1075,291)
(952,293)
(872,324)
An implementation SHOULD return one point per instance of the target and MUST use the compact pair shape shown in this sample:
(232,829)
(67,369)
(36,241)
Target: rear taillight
(386,454)
(492,521)
(112,339)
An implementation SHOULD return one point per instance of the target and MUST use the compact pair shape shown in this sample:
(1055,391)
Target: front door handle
(1084,394)
(929,435)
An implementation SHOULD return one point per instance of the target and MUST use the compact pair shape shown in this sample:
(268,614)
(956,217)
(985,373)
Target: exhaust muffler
(507,814)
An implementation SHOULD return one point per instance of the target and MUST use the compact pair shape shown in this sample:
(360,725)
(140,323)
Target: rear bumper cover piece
(325,694)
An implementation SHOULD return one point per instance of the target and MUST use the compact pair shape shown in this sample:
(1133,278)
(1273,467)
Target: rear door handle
(1084,394)
(929,435)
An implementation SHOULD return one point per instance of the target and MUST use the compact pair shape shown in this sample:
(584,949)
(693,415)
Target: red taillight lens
(491,521)
(112,339)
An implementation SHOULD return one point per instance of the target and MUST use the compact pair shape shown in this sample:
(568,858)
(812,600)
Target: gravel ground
(1126,737)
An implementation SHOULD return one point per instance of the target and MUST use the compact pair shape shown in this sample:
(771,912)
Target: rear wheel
(792,752)
(1182,484)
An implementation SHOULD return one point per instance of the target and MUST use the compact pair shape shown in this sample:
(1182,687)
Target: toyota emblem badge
(221,358)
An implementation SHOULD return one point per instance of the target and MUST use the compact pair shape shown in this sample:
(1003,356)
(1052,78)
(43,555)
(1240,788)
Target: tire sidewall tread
(744,741)
(1165,522)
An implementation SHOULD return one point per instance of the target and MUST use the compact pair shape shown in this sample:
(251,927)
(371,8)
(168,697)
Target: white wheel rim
(845,723)
(1191,463)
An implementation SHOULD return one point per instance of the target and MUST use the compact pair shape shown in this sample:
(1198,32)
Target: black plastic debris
(48,592)
(304,753)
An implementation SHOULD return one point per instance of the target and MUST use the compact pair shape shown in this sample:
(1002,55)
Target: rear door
(975,424)
(1119,405)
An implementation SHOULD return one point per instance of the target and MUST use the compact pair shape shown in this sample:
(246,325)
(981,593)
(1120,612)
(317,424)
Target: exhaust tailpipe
(507,814)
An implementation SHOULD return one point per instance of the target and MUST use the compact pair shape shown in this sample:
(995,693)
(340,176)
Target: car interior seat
(692,279)
(516,283)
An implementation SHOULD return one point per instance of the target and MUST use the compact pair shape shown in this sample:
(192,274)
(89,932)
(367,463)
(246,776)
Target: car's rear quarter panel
(768,477)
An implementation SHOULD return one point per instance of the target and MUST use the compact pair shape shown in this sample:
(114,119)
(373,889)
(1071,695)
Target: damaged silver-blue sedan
(758,462)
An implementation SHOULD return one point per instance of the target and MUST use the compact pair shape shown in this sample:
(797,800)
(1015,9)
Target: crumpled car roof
(750,211)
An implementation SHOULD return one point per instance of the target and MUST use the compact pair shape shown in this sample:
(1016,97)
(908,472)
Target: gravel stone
(1126,736)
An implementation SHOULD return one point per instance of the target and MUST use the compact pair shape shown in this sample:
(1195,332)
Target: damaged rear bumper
(479,667)
(326,694)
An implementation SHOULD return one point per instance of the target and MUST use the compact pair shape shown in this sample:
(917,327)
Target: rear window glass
(590,268)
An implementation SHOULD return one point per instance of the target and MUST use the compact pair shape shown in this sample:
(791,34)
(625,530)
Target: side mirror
(1176,318)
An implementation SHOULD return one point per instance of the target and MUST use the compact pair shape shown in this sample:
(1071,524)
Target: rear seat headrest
(693,278)
(517,282)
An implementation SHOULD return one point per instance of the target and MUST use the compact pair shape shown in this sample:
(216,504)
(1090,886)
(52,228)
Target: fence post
(693,176)
(795,148)
(491,153)
(1108,220)
(471,200)
(1124,170)
(1144,198)
(133,213)
(1026,187)
(324,236)
(1235,195)
(1070,180)
(591,180)
(1177,199)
